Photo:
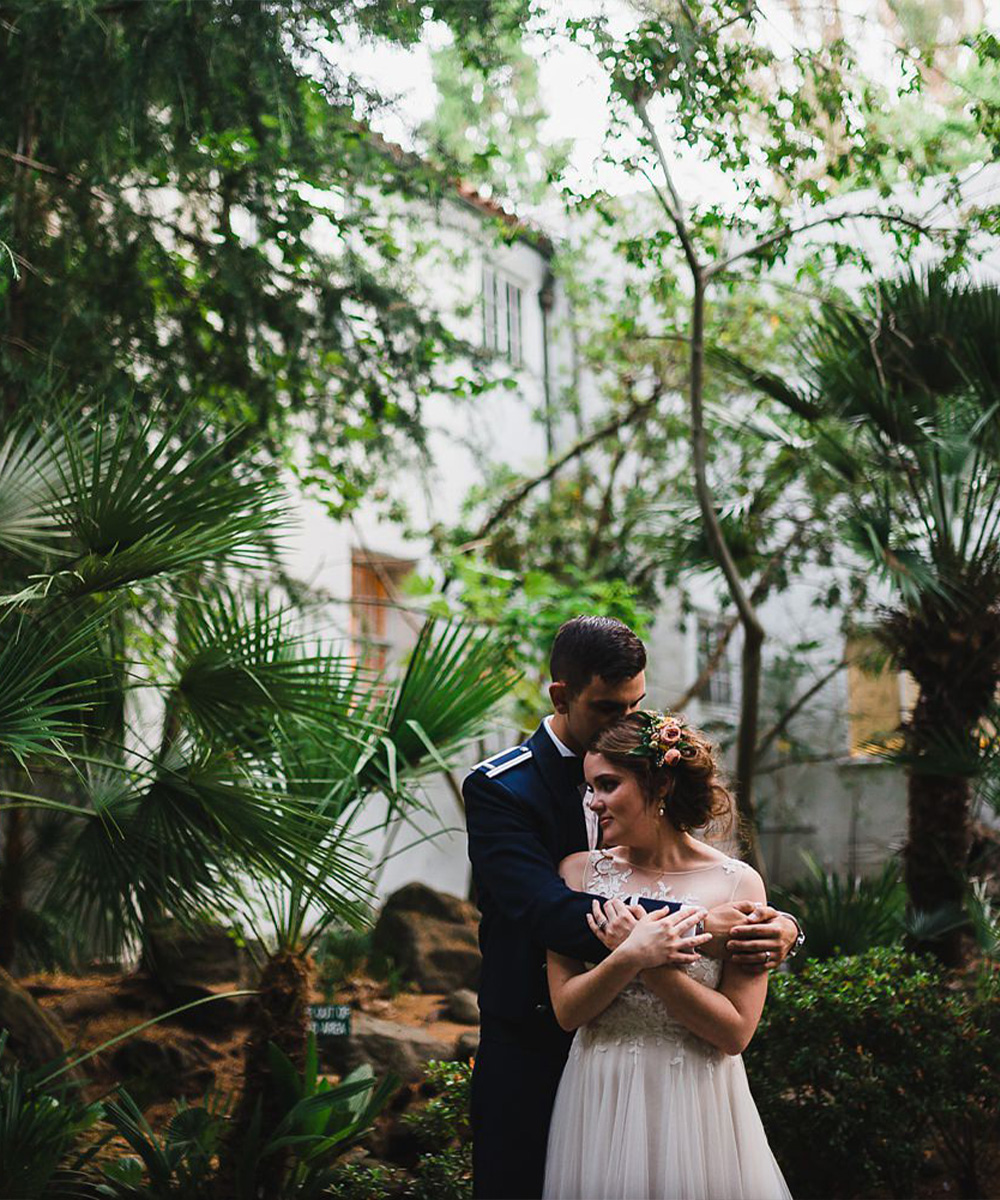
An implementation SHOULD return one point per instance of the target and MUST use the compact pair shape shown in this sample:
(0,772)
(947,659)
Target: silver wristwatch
(798,925)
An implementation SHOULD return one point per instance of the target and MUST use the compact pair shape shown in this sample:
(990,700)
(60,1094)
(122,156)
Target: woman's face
(625,817)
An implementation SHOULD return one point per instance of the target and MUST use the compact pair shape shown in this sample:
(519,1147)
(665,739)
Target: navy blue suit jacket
(524,815)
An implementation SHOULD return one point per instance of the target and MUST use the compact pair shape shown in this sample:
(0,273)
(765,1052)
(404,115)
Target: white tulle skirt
(657,1121)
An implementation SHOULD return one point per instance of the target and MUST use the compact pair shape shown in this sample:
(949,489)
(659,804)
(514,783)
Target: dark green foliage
(359,1181)
(444,1170)
(339,953)
(862,1063)
(443,1175)
(318,1122)
(267,737)
(163,170)
(41,1118)
(176,1163)
(844,914)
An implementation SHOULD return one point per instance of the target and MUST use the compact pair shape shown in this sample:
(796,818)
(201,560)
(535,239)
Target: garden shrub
(444,1170)
(362,1181)
(862,1063)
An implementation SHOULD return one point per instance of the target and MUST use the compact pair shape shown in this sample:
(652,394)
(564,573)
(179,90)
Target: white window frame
(722,689)
(502,315)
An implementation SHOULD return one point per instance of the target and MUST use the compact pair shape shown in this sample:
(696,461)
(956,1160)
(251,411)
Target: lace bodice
(638,1018)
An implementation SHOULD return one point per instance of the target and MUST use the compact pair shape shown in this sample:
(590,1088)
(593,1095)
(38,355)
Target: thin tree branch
(514,497)
(758,593)
(805,761)
(604,512)
(33,164)
(779,727)
(675,209)
(790,231)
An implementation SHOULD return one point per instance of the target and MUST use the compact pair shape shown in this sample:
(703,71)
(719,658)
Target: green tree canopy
(189,192)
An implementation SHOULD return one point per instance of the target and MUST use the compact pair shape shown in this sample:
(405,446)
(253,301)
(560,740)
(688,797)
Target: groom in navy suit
(526,811)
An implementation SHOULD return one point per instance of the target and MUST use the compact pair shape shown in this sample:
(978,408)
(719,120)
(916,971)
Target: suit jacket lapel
(568,806)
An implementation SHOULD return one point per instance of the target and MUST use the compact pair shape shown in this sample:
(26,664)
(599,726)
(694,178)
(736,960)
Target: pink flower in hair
(673,755)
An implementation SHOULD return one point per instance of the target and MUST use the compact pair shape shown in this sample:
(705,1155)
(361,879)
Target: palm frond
(143,502)
(242,669)
(176,838)
(30,473)
(454,678)
(42,689)
(846,914)
(799,402)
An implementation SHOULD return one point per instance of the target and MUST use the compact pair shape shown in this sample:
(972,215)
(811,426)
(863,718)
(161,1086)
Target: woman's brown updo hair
(691,790)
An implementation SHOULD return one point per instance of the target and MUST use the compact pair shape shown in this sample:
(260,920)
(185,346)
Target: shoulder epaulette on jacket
(498,763)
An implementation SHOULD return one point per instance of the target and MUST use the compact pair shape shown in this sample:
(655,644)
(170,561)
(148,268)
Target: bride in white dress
(654,1102)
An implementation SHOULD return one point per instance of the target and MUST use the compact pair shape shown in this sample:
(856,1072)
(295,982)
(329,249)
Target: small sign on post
(330,1020)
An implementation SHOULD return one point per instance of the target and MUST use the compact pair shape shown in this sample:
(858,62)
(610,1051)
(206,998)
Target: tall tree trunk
(937,850)
(753,631)
(11,883)
(280,1015)
(954,655)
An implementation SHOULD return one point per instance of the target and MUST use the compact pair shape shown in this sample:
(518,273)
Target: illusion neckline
(690,871)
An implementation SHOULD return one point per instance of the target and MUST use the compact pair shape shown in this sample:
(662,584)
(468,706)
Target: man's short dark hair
(589,646)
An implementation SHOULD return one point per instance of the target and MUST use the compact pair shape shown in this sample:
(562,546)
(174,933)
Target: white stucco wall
(847,812)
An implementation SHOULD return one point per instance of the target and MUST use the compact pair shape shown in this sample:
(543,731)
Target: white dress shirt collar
(563,749)
(589,816)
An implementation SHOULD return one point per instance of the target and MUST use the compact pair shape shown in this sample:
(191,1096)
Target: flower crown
(664,739)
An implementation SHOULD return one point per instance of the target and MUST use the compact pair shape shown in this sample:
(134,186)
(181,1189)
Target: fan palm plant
(227,767)
(94,529)
(452,679)
(902,399)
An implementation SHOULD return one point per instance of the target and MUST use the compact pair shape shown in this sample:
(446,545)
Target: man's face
(595,706)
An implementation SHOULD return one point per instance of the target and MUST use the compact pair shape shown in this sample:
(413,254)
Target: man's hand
(763,941)
(752,934)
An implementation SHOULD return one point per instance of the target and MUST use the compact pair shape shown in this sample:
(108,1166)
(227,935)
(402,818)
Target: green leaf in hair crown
(664,739)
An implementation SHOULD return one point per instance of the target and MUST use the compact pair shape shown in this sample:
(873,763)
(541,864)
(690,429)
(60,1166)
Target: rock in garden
(387,1046)
(431,937)
(153,1069)
(462,1006)
(178,957)
(467,1046)
(33,1037)
(219,1014)
(85,1004)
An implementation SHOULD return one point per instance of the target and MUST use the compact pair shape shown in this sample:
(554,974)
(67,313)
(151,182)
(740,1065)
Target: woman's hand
(614,922)
(662,939)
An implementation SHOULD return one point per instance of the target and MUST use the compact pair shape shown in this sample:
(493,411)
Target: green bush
(444,1170)
(862,1063)
(319,1122)
(42,1115)
(361,1181)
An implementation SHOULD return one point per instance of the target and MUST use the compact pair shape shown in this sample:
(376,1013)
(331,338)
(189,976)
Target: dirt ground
(123,1001)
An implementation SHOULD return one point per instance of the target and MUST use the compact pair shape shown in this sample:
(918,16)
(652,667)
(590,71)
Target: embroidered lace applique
(637,1018)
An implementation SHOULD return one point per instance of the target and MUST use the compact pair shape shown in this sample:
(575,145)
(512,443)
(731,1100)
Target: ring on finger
(602,924)
(767,956)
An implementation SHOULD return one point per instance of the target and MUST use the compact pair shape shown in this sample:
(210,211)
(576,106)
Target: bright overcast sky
(574,88)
